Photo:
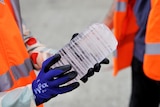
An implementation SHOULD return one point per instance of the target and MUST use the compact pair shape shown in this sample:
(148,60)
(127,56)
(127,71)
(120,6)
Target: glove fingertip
(97,67)
(90,72)
(74,35)
(72,74)
(75,85)
(57,57)
(50,61)
(64,68)
(84,79)
(105,61)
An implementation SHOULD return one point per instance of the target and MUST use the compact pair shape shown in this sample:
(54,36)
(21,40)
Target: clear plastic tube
(88,48)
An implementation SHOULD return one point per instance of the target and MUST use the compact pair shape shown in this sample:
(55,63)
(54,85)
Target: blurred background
(54,22)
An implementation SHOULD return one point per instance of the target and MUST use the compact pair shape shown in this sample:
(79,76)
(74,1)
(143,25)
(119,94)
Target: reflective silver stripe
(121,6)
(115,53)
(22,70)
(153,48)
(6,81)
(16,8)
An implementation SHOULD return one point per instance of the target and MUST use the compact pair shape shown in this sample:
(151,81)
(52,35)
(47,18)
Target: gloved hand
(96,67)
(49,81)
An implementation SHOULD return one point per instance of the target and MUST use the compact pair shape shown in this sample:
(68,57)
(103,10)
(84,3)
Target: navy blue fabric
(141,10)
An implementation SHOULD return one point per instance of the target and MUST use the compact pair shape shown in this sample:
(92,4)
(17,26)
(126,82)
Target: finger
(50,61)
(57,72)
(64,79)
(84,79)
(74,35)
(90,72)
(67,88)
(105,61)
(97,67)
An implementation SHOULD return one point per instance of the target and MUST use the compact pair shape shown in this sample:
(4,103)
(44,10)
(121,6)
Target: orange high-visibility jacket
(125,28)
(152,40)
(15,65)
(16,70)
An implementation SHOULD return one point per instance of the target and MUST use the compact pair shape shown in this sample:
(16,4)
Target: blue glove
(49,81)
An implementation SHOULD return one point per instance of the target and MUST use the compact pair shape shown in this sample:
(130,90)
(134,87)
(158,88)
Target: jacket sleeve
(23,97)
(38,52)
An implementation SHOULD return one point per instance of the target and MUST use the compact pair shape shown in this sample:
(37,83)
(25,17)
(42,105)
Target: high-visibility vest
(15,65)
(125,28)
(152,54)
(16,69)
